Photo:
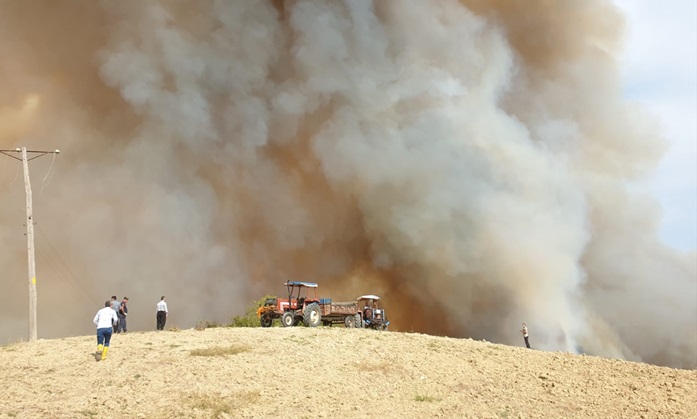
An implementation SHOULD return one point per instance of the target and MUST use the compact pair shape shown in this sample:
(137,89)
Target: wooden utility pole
(30,233)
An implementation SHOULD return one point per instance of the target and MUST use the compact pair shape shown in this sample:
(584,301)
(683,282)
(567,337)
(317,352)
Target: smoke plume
(473,162)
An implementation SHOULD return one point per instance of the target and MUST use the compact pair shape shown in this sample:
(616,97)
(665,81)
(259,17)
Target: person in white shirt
(162,313)
(524,331)
(105,320)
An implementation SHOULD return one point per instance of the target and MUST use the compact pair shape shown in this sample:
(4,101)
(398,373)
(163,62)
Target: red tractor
(302,304)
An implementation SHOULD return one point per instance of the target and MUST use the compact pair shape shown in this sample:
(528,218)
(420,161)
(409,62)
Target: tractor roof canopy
(301,284)
(369,297)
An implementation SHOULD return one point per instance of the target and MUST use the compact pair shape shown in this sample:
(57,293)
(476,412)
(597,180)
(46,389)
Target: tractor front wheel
(312,316)
(288,319)
(266,320)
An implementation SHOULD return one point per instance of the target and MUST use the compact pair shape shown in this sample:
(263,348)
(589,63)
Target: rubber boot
(104,352)
(100,347)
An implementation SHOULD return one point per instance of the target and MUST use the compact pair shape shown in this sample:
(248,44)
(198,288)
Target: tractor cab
(374,316)
(300,294)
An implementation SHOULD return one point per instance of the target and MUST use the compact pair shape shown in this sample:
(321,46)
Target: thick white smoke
(474,162)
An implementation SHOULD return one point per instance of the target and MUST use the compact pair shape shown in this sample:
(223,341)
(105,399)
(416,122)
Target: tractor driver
(367,312)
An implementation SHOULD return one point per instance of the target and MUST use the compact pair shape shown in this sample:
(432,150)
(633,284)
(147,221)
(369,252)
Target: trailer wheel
(350,321)
(358,321)
(266,321)
(288,319)
(312,316)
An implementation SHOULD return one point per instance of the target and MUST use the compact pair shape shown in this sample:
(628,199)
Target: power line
(54,257)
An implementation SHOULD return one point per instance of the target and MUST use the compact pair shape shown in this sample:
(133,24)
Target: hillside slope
(327,372)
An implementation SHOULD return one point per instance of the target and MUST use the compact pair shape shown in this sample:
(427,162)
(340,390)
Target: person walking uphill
(524,331)
(162,313)
(104,320)
(122,313)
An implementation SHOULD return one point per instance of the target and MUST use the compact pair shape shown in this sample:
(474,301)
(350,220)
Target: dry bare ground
(327,372)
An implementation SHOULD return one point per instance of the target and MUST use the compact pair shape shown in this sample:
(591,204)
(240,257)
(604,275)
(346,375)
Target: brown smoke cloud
(474,162)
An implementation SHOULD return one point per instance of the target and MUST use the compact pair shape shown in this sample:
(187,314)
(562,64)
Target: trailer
(347,313)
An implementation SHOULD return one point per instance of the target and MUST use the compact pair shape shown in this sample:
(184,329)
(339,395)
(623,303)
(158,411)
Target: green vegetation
(250,318)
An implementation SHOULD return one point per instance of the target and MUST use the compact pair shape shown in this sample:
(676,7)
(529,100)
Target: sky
(659,66)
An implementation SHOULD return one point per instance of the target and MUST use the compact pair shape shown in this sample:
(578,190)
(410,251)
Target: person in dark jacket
(122,313)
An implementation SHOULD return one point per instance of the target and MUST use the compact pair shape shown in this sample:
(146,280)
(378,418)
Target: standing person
(524,331)
(104,320)
(115,305)
(162,313)
(122,313)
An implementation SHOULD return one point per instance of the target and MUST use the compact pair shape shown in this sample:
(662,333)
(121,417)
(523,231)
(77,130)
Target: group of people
(112,319)
(121,309)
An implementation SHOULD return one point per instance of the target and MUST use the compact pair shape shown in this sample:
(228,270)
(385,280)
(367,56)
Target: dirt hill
(327,372)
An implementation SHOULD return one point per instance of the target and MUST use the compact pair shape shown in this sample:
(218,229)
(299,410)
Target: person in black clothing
(162,313)
(122,313)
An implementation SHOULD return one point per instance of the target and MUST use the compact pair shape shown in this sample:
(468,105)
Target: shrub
(250,318)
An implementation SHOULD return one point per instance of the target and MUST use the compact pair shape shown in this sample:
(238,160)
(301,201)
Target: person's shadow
(97,356)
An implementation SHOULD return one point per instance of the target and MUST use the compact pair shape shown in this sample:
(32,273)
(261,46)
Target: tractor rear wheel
(288,319)
(350,321)
(312,315)
(358,322)
(266,320)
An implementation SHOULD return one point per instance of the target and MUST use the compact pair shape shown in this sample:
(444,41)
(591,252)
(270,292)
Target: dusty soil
(327,372)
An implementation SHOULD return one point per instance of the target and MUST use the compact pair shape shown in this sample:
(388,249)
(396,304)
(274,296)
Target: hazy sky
(660,71)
